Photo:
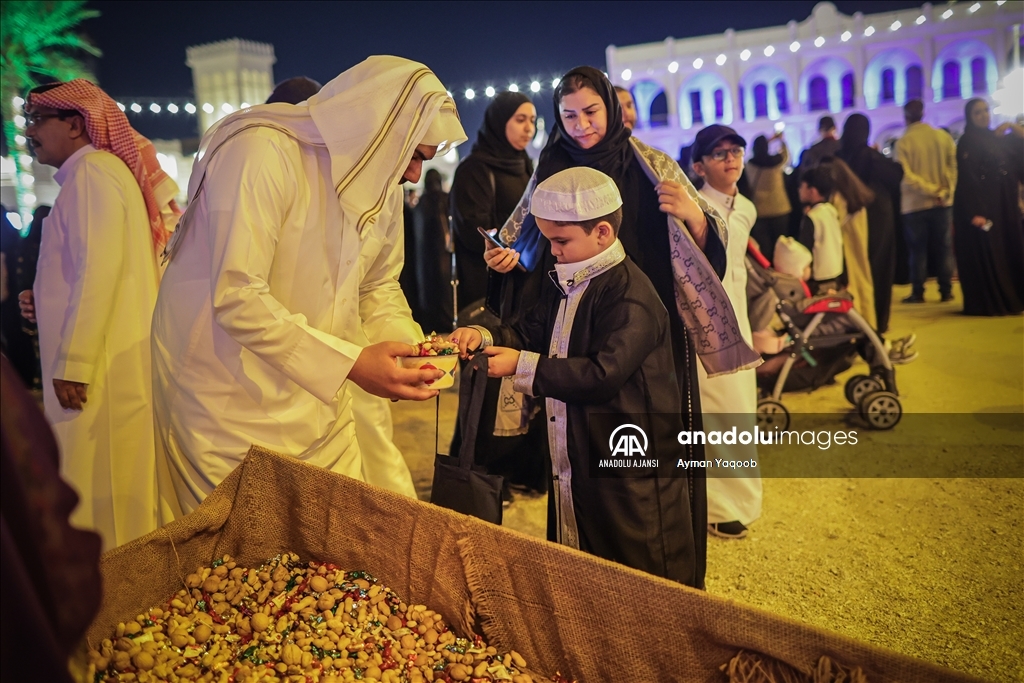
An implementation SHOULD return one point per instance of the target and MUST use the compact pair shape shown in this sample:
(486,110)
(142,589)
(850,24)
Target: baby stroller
(828,334)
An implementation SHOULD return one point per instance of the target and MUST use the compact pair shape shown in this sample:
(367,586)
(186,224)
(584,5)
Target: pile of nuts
(295,622)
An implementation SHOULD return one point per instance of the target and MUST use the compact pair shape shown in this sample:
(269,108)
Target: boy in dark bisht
(597,343)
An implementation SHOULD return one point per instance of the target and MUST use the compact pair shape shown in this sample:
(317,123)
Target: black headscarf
(491,146)
(853,146)
(977,142)
(612,155)
(761,156)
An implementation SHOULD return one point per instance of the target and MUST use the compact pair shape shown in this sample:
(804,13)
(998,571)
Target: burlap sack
(562,609)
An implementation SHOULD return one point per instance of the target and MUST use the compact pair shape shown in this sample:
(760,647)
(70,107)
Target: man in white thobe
(282,285)
(382,462)
(727,400)
(93,299)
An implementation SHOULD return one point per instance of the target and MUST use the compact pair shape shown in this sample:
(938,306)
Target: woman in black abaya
(487,186)
(882,176)
(987,234)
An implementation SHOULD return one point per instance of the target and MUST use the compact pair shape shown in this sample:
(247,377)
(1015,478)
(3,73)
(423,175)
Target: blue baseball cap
(709,137)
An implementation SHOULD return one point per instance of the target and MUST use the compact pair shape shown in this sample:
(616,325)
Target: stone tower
(228,74)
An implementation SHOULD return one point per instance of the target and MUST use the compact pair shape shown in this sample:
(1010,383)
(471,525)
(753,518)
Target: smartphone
(780,126)
(495,241)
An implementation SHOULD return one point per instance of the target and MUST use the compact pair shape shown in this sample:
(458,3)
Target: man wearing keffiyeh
(94,296)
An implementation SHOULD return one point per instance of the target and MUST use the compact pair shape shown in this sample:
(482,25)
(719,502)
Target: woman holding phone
(486,188)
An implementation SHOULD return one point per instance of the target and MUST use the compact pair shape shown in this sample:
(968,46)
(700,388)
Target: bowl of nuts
(434,353)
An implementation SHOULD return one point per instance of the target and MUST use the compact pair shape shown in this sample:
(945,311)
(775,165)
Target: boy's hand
(468,339)
(502,361)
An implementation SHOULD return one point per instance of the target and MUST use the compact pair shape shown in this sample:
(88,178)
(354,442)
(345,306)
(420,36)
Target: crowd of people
(605,277)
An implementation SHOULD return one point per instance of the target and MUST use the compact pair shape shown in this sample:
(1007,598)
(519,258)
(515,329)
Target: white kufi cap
(575,194)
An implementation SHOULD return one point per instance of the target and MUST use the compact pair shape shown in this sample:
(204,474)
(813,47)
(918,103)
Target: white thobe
(95,289)
(733,396)
(263,311)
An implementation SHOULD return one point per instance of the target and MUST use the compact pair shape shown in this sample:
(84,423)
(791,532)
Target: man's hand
(27,304)
(502,362)
(674,200)
(377,371)
(501,259)
(468,339)
(70,394)
(979,221)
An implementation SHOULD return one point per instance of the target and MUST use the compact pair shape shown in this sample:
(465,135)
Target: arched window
(719,104)
(888,85)
(760,100)
(817,94)
(951,80)
(698,115)
(743,104)
(659,111)
(979,84)
(782,97)
(847,88)
(915,83)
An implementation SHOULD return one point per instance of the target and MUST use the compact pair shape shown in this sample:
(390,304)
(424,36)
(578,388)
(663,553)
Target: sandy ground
(928,567)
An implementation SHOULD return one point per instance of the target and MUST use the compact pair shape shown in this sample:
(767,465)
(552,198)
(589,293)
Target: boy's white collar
(568,275)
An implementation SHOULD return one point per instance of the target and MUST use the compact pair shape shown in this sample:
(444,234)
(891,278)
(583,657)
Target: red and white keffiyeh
(109,130)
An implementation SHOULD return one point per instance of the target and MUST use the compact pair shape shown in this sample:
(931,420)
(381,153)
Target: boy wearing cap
(734,502)
(597,343)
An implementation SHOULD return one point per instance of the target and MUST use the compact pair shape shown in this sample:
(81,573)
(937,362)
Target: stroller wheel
(881,410)
(859,386)
(772,414)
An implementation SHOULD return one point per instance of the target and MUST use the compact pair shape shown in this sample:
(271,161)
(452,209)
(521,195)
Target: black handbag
(459,484)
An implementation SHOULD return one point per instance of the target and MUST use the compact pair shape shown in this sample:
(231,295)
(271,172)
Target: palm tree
(38,43)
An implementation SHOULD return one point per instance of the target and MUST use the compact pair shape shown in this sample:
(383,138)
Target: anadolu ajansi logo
(628,443)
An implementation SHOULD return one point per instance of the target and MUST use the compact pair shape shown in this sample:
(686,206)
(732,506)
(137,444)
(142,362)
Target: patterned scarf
(109,130)
(701,301)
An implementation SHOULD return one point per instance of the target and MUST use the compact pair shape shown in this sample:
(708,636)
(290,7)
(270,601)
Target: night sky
(466,44)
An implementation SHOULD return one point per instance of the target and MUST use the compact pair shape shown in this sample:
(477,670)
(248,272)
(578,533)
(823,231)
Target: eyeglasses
(723,154)
(36,119)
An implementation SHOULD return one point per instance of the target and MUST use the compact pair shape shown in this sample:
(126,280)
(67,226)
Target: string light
(769,51)
(627,74)
(846,36)
(720,59)
(17,101)
(470,93)
(974,8)
(673,67)
(512,87)
(555,82)
(745,55)
(535,86)
(245,105)
(869,31)
(489,91)
(190,108)
(920,20)
(136,107)
(226,108)
(698,63)
(896,25)
(155,108)
(794,46)
(947,14)
(173,108)
(19,121)
(207,107)
(819,41)
(120,106)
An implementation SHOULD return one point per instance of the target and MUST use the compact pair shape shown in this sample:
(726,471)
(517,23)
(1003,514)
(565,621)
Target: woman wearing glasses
(675,237)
